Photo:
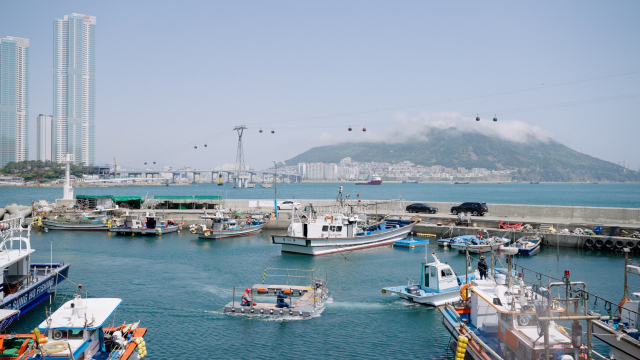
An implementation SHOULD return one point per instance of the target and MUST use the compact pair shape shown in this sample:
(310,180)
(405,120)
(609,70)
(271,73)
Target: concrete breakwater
(602,215)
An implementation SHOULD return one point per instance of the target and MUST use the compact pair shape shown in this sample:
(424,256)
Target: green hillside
(535,160)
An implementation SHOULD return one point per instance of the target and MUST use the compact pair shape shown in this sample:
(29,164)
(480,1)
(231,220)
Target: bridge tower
(241,178)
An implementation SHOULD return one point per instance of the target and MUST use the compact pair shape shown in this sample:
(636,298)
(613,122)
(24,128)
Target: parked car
(421,208)
(288,205)
(475,208)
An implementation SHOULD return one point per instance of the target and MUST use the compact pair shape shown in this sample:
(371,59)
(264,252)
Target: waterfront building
(44,144)
(14,99)
(74,85)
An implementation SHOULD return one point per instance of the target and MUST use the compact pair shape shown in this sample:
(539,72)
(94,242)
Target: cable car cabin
(350,128)
(145,163)
(364,129)
(260,131)
(438,277)
(273,131)
(205,145)
(154,163)
(477,118)
(195,146)
(495,118)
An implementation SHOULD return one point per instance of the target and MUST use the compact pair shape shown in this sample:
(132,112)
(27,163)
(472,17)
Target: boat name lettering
(34,293)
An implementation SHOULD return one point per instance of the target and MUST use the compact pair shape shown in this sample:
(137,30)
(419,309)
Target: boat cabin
(438,277)
(15,262)
(79,324)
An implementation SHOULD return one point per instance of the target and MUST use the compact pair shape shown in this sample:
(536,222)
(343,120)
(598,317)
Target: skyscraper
(14,99)
(74,84)
(45,137)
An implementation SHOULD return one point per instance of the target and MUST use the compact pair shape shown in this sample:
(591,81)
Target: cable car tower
(241,179)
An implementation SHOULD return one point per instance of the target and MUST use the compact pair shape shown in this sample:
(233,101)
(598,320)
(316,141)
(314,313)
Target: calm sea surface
(178,285)
(568,194)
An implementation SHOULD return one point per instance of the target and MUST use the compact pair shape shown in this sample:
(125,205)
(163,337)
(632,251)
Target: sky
(175,75)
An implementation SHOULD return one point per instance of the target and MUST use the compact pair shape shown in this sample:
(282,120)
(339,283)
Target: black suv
(475,208)
(421,207)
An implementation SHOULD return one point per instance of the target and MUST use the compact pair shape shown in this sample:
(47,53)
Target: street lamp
(275,187)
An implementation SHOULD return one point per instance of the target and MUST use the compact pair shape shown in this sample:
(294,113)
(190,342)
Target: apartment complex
(14,99)
(44,145)
(74,86)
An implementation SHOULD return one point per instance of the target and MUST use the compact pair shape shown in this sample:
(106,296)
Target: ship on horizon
(375,180)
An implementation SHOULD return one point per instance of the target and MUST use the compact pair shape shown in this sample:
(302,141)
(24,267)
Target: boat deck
(304,307)
(411,243)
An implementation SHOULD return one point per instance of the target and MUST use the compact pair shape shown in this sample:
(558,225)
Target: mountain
(535,160)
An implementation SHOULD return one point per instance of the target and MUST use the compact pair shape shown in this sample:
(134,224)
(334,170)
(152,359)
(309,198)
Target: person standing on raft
(246,299)
(482,268)
(282,300)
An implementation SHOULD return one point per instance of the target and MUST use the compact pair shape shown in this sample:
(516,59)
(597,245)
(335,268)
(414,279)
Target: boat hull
(431,300)
(475,249)
(453,326)
(144,231)
(54,225)
(299,245)
(627,347)
(38,292)
(531,251)
(223,234)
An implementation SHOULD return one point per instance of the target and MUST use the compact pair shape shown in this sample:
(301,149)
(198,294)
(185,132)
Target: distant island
(532,160)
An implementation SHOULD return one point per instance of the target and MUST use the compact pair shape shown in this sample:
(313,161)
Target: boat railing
(290,275)
(483,347)
(412,282)
(8,231)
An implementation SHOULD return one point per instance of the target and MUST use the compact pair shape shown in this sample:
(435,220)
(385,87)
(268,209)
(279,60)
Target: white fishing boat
(266,185)
(321,234)
(622,332)
(80,329)
(25,285)
(500,321)
(438,285)
(222,226)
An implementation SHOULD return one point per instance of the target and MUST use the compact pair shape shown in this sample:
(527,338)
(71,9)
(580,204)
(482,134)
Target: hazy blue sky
(178,73)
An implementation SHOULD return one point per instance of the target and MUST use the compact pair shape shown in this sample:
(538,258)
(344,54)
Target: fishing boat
(479,245)
(266,185)
(499,319)
(622,332)
(97,220)
(80,329)
(411,243)
(438,285)
(222,226)
(528,245)
(461,183)
(455,240)
(25,285)
(375,180)
(319,234)
(147,224)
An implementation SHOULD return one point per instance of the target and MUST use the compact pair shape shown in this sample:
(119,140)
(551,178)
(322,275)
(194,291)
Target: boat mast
(625,297)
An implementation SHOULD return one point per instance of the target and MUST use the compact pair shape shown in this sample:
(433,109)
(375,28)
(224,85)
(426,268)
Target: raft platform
(411,243)
(305,301)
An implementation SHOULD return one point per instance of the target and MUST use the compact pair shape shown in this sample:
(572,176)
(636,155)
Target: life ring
(464,292)
(479,234)
(55,347)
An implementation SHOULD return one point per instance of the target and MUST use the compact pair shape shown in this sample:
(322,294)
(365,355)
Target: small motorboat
(528,245)
(455,240)
(478,245)
(147,224)
(438,285)
(411,243)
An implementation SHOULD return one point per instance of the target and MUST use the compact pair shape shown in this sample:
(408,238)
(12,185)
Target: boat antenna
(625,297)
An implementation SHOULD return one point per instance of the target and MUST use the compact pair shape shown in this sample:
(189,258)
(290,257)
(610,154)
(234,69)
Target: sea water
(177,286)
(625,195)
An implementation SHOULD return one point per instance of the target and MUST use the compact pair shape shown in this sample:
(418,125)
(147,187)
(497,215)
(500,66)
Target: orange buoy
(464,292)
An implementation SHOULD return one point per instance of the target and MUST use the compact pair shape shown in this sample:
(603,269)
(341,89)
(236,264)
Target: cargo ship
(375,180)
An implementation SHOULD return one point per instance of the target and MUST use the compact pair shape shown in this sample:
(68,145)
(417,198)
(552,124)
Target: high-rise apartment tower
(45,137)
(14,99)
(74,88)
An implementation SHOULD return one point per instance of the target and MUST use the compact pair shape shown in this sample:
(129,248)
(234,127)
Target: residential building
(74,88)
(14,99)
(45,137)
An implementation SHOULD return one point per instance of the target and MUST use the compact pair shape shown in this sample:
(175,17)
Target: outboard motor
(413,290)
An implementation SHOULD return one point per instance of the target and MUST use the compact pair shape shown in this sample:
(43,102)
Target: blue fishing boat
(438,285)
(528,245)
(455,240)
(25,285)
